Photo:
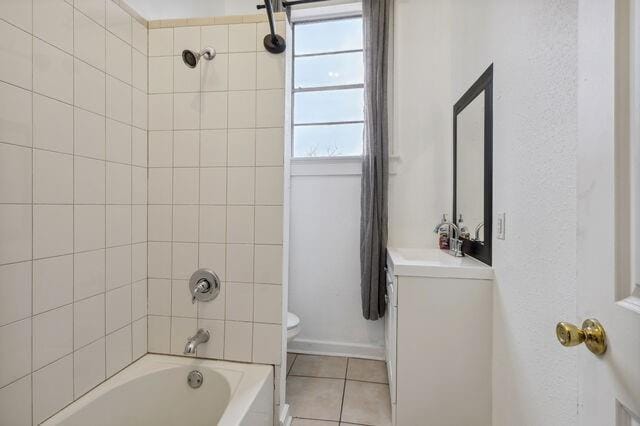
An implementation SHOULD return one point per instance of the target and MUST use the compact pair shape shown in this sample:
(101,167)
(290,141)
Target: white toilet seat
(293,326)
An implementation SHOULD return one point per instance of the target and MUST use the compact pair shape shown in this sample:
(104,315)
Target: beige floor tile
(290,358)
(366,403)
(367,370)
(319,366)
(309,422)
(315,398)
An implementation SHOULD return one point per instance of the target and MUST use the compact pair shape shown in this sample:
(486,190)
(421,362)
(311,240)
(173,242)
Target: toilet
(293,326)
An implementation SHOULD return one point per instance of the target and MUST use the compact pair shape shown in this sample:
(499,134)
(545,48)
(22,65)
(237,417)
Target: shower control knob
(204,285)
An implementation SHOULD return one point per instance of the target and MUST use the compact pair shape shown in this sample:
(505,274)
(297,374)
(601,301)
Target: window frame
(313,16)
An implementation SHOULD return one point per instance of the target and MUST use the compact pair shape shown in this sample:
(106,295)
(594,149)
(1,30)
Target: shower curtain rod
(272,41)
(286,3)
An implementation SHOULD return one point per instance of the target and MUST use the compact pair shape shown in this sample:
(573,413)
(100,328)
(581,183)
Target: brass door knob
(592,334)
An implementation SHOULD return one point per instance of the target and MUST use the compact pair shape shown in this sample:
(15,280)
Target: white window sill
(333,166)
(326,166)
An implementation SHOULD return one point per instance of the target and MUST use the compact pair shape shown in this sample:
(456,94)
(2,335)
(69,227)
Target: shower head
(191,58)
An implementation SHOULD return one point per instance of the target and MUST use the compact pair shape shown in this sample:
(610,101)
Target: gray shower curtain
(375,164)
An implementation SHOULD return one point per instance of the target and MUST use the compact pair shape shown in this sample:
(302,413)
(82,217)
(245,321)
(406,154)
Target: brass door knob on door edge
(592,334)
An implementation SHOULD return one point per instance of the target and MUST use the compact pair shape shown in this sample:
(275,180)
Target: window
(328,88)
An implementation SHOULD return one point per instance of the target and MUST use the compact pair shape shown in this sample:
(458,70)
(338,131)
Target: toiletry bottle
(464,231)
(443,235)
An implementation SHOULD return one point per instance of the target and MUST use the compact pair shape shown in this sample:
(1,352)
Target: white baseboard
(320,347)
(285,418)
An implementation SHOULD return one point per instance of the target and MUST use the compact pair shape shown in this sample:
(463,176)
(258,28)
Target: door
(608,192)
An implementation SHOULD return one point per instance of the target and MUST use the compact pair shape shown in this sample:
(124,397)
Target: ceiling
(170,9)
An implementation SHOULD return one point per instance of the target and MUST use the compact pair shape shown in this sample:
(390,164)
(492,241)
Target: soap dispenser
(464,231)
(443,234)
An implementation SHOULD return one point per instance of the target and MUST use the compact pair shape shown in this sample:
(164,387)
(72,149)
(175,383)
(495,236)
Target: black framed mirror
(473,167)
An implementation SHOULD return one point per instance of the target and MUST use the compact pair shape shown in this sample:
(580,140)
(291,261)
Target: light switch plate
(501,225)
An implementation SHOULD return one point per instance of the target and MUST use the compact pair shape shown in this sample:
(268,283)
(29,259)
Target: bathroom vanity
(438,338)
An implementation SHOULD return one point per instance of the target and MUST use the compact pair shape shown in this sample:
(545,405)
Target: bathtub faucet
(201,336)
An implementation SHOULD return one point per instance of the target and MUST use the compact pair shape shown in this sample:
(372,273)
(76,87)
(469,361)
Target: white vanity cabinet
(438,338)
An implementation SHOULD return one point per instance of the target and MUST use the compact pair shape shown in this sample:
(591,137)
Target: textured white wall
(324,283)
(533,45)
(421,190)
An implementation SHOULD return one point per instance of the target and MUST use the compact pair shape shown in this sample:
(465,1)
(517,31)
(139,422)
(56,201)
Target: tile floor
(337,391)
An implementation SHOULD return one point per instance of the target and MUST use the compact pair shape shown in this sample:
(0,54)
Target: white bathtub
(154,391)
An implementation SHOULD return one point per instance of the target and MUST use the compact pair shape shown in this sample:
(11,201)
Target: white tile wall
(15,49)
(53,22)
(15,286)
(88,366)
(15,174)
(52,71)
(73,195)
(119,351)
(17,12)
(15,402)
(89,41)
(214,74)
(52,283)
(91,277)
(94,9)
(52,125)
(52,388)
(89,88)
(16,110)
(215,192)
(186,38)
(186,79)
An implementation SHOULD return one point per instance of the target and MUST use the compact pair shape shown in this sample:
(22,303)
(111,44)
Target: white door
(608,192)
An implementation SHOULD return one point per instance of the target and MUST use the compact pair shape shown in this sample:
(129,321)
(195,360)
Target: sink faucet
(455,243)
(477,231)
(201,336)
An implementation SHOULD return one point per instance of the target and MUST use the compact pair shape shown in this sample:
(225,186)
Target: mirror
(472,168)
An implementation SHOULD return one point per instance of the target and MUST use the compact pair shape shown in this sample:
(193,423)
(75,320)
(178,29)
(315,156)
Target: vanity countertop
(435,263)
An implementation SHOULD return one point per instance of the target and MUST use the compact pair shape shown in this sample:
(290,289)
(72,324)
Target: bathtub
(154,391)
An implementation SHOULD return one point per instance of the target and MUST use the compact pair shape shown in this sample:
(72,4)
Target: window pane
(328,36)
(328,106)
(328,141)
(329,70)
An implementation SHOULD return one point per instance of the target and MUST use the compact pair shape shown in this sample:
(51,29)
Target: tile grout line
(226,202)
(336,378)
(146,146)
(198,210)
(104,367)
(344,390)
(253,284)
(131,301)
(173,176)
(33,183)
(73,184)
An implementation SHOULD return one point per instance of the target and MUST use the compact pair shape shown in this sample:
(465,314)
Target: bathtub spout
(201,336)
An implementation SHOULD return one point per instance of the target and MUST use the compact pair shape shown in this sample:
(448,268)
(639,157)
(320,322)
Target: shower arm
(273,42)
(272,27)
